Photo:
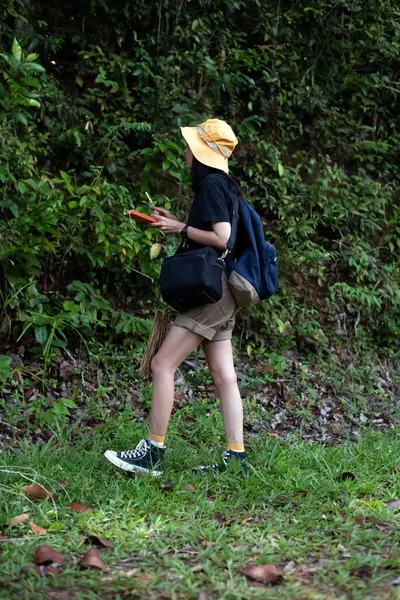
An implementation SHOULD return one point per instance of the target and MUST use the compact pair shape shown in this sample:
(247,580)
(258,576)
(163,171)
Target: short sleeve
(212,201)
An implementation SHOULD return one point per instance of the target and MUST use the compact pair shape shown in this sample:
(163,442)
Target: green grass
(292,507)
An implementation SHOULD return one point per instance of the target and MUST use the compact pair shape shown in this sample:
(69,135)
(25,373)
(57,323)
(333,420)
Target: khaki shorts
(214,322)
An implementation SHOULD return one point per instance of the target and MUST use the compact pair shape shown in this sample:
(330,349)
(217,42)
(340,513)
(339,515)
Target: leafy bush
(92,101)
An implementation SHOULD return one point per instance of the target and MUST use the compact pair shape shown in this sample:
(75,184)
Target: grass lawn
(331,534)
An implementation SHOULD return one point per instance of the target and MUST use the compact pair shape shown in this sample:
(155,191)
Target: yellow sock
(236,447)
(157,440)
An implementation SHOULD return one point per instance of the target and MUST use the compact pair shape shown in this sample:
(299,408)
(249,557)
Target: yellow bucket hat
(212,143)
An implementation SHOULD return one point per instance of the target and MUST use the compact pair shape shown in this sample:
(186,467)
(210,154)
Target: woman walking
(208,225)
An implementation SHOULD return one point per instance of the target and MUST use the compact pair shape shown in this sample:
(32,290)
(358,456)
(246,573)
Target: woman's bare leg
(177,346)
(220,361)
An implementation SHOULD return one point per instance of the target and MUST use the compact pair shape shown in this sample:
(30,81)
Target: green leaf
(5,362)
(16,50)
(41,334)
(36,67)
(79,80)
(32,57)
(20,118)
(281,170)
(21,187)
(32,102)
(281,326)
(68,402)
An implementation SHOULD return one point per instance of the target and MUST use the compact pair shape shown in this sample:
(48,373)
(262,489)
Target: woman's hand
(168,225)
(162,212)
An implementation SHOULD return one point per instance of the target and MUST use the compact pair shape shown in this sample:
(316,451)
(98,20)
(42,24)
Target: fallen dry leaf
(65,367)
(36,492)
(43,571)
(92,559)
(263,573)
(362,572)
(94,539)
(64,482)
(37,530)
(190,488)
(218,517)
(4,538)
(301,493)
(393,505)
(45,555)
(167,486)
(196,568)
(360,520)
(77,507)
(19,519)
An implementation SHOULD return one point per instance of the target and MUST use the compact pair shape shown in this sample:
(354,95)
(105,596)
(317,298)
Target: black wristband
(184,232)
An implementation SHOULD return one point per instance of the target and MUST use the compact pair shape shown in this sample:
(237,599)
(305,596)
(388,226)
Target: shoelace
(138,452)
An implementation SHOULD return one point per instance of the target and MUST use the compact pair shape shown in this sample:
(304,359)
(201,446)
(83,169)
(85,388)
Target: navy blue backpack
(253,276)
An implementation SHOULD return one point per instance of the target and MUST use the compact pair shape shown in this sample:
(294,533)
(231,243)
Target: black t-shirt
(212,204)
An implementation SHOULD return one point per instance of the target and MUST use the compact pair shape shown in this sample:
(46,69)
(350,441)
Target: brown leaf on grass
(64,482)
(94,539)
(393,505)
(190,488)
(361,520)
(44,571)
(37,530)
(263,573)
(65,367)
(218,517)
(92,559)
(36,492)
(77,507)
(301,493)
(362,572)
(298,279)
(210,498)
(45,555)
(19,519)
(167,486)
(197,568)
(347,476)
(4,538)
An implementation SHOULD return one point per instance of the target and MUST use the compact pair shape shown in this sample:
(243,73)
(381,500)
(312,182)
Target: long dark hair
(199,171)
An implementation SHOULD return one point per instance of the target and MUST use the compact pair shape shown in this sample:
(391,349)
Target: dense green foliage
(92,96)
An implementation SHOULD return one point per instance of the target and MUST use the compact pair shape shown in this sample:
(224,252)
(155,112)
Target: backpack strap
(234,225)
(230,244)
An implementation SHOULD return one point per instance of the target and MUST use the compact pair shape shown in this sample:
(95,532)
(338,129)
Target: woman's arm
(217,238)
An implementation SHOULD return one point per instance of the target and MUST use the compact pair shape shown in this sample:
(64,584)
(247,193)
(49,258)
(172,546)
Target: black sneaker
(230,459)
(145,458)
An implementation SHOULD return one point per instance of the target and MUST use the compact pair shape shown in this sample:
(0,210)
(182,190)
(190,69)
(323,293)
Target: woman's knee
(160,364)
(224,377)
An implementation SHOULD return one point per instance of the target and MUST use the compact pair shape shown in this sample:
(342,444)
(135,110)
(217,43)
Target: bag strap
(234,225)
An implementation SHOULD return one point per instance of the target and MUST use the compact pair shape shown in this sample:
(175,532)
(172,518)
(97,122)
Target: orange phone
(140,217)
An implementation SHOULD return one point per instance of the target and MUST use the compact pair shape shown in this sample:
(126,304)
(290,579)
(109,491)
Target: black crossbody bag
(192,278)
